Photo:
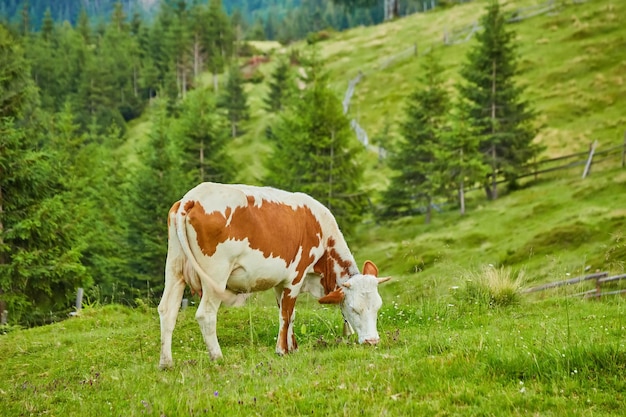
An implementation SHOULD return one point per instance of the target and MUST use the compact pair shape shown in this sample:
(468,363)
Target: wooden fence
(586,160)
(599,277)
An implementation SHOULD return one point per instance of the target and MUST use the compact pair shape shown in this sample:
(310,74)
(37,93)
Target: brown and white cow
(226,241)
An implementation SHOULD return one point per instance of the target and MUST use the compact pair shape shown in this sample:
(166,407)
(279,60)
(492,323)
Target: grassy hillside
(572,62)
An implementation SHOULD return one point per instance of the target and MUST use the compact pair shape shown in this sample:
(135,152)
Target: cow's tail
(226,296)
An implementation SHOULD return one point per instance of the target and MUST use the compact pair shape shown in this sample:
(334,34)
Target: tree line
(76,210)
(281,20)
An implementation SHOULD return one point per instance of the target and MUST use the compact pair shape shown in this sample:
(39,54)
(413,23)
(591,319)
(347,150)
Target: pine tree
(235,100)
(420,159)
(219,41)
(93,177)
(316,151)
(155,185)
(281,87)
(466,163)
(40,249)
(202,135)
(493,103)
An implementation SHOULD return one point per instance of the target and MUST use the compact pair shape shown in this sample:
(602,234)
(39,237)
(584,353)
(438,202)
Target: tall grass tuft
(491,286)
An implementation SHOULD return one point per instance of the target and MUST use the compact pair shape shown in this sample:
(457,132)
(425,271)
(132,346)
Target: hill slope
(573,63)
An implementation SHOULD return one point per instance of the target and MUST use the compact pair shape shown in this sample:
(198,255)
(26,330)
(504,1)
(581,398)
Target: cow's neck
(336,264)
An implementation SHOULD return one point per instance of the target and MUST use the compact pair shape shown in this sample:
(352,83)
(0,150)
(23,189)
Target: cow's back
(276,224)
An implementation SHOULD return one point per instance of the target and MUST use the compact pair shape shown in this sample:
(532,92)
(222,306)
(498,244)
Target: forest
(283,20)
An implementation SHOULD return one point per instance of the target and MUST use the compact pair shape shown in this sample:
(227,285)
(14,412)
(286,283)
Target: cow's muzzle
(372,341)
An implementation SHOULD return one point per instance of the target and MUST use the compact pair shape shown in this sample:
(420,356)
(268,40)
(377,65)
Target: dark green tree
(234,100)
(40,249)
(466,164)
(493,102)
(420,158)
(93,176)
(219,41)
(316,152)
(281,87)
(202,135)
(155,185)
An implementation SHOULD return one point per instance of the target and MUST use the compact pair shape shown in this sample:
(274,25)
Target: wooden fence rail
(599,277)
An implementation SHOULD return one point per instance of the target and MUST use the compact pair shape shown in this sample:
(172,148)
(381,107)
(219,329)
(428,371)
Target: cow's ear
(333,297)
(370,269)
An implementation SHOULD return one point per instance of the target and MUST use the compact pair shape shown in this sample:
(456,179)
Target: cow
(226,241)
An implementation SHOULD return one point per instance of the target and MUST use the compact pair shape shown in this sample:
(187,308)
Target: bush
(492,287)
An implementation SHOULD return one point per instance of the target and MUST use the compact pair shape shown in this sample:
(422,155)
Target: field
(553,357)
(449,346)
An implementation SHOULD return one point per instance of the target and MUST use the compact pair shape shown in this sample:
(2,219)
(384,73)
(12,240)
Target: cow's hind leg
(168,311)
(207,320)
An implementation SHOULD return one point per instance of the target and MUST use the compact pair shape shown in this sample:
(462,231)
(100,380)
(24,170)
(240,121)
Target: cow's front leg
(287,311)
(206,315)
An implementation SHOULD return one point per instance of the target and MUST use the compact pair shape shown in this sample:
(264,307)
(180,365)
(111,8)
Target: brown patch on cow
(288,305)
(326,267)
(334,297)
(275,229)
(173,210)
(188,206)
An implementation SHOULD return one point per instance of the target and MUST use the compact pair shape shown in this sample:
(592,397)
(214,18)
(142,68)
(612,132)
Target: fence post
(184,303)
(591,152)
(624,151)
(4,317)
(79,299)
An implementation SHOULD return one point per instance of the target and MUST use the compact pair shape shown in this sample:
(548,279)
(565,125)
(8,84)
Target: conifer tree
(234,100)
(156,184)
(219,41)
(40,249)
(493,102)
(466,164)
(281,87)
(202,135)
(316,151)
(420,159)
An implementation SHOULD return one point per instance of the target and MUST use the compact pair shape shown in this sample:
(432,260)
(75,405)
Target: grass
(436,358)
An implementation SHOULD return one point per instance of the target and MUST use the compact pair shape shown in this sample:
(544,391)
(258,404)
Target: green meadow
(458,335)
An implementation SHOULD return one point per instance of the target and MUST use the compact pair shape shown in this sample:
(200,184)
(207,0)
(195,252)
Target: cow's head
(359,301)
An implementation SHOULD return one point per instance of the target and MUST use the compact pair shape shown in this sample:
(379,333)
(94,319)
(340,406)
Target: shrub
(491,286)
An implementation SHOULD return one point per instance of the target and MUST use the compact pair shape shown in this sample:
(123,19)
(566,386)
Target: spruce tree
(420,158)
(202,135)
(219,40)
(40,248)
(493,102)
(155,185)
(234,100)
(466,164)
(281,87)
(316,151)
